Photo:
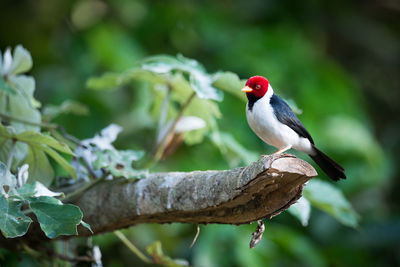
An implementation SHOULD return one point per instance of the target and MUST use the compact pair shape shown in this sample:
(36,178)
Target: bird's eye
(257,87)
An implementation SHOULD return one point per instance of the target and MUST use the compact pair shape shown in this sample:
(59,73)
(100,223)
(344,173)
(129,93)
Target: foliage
(349,116)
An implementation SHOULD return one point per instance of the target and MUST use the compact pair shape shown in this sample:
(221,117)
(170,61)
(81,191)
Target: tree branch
(242,195)
(239,196)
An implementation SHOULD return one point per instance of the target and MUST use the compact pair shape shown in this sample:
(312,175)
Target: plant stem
(39,124)
(161,146)
(11,154)
(132,247)
(84,188)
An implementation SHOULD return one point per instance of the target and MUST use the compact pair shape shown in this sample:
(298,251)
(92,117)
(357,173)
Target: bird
(274,122)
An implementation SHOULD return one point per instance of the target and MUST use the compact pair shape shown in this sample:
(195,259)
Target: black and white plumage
(272,120)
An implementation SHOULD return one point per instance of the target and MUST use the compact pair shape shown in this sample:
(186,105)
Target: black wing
(285,115)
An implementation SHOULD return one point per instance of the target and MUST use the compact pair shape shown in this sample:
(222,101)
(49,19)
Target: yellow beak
(247,89)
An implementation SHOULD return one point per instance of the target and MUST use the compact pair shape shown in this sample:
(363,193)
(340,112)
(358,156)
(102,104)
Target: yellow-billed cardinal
(271,118)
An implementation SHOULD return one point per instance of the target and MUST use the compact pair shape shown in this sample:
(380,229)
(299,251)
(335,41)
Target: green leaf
(119,163)
(199,79)
(22,60)
(60,160)
(87,226)
(108,81)
(13,222)
(301,210)
(36,190)
(330,199)
(67,107)
(40,168)
(56,218)
(20,152)
(25,86)
(38,139)
(156,252)
(5,87)
(230,83)
(21,108)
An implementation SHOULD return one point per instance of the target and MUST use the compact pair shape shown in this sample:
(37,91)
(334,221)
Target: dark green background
(337,60)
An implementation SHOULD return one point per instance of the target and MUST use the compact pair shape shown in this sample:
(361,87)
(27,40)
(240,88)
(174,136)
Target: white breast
(266,126)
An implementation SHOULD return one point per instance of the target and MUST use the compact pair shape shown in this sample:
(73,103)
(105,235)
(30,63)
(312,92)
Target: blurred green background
(338,61)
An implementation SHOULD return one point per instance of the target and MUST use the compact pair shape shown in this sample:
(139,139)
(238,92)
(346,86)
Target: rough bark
(261,190)
(242,195)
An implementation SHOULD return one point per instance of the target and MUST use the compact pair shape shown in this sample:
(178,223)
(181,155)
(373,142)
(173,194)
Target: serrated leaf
(156,252)
(56,218)
(301,210)
(60,160)
(40,167)
(13,222)
(21,62)
(330,199)
(36,190)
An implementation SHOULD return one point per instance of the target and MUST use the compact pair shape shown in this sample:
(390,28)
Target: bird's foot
(281,150)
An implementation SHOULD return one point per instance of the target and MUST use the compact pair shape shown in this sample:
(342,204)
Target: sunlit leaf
(22,60)
(56,218)
(36,190)
(230,83)
(21,108)
(200,81)
(330,199)
(13,222)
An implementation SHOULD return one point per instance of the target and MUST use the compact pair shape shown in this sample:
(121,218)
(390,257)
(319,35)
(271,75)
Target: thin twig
(84,188)
(161,146)
(163,111)
(39,124)
(11,154)
(132,247)
(69,137)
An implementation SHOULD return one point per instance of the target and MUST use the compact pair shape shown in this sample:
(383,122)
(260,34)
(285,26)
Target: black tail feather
(328,165)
